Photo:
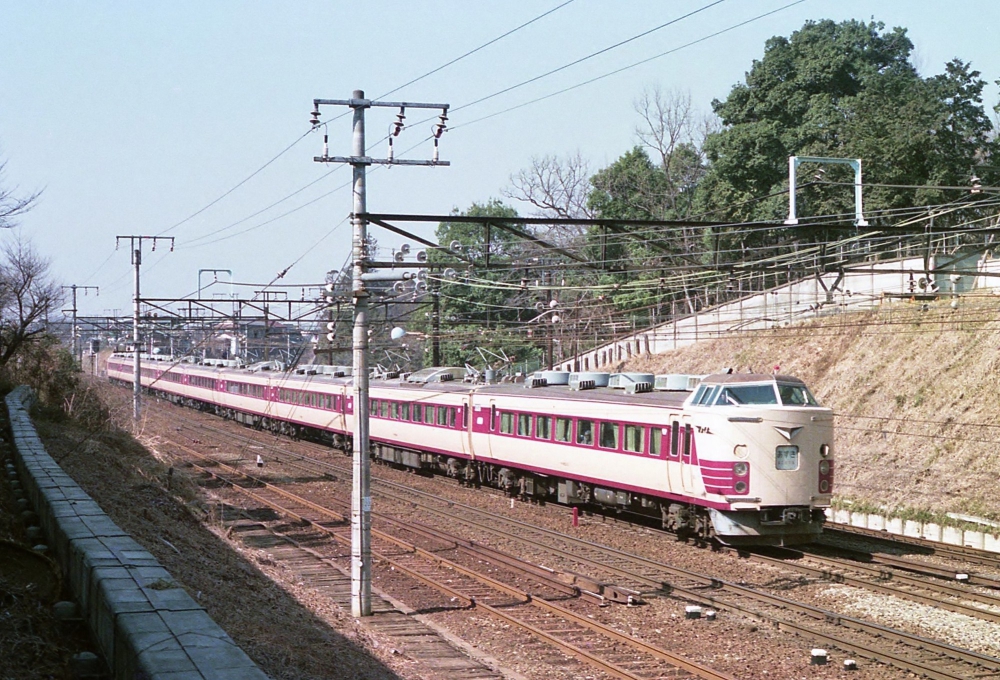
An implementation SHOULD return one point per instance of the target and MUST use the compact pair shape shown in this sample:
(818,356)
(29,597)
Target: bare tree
(675,134)
(557,187)
(27,296)
(11,206)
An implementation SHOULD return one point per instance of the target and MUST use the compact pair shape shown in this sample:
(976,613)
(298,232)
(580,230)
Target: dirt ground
(287,631)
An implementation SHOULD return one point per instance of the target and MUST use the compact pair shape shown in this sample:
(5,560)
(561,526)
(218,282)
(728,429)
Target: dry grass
(914,390)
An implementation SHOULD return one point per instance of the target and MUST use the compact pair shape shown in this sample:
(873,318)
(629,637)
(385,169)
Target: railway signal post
(361,501)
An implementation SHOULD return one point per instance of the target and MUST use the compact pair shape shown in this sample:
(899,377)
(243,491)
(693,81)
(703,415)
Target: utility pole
(361,501)
(76,343)
(436,323)
(135,249)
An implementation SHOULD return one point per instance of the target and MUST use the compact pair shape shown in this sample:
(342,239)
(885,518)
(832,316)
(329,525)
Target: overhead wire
(599,52)
(301,137)
(620,70)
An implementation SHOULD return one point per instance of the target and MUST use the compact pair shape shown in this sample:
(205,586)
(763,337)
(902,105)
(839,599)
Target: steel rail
(526,598)
(967,553)
(826,574)
(860,649)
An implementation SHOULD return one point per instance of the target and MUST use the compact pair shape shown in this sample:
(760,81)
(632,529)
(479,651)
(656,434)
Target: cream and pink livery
(745,458)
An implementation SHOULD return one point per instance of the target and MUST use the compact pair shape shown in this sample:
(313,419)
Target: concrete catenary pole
(75,340)
(361,501)
(135,248)
(137,367)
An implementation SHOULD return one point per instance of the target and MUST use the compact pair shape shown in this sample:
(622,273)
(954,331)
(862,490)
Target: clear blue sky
(133,116)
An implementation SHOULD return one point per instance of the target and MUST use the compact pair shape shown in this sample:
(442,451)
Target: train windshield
(740,394)
(796,395)
(736,395)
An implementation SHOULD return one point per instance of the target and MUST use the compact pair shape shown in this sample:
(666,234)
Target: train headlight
(824,467)
(824,450)
(740,487)
(741,469)
(824,486)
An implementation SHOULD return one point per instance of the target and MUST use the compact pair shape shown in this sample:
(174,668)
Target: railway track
(886,578)
(535,612)
(923,546)
(912,653)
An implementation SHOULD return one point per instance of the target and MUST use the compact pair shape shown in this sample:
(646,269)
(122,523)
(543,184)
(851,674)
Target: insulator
(436,155)
(390,153)
(326,145)
(331,337)
(331,326)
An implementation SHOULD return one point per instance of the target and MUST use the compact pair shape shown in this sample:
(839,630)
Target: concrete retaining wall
(147,626)
(984,540)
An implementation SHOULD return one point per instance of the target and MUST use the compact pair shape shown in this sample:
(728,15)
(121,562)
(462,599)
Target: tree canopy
(484,304)
(846,90)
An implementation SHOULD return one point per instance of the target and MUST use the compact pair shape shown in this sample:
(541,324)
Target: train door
(672,438)
(491,426)
(686,445)
(468,425)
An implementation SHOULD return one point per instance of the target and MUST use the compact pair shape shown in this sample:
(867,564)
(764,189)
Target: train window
(699,393)
(796,395)
(507,423)
(585,432)
(634,436)
(442,415)
(383,408)
(786,458)
(609,436)
(429,414)
(372,407)
(564,429)
(404,411)
(397,410)
(708,396)
(493,417)
(452,417)
(543,427)
(675,430)
(656,440)
(687,441)
(465,417)
(418,413)
(747,394)
(523,425)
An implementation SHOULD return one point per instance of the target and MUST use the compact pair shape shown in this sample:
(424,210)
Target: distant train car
(745,458)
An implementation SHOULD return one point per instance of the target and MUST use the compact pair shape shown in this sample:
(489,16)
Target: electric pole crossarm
(365,103)
(366,160)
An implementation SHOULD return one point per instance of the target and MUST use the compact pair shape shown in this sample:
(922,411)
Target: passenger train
(744,458)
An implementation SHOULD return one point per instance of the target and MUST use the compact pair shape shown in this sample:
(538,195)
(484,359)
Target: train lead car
(743,458)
